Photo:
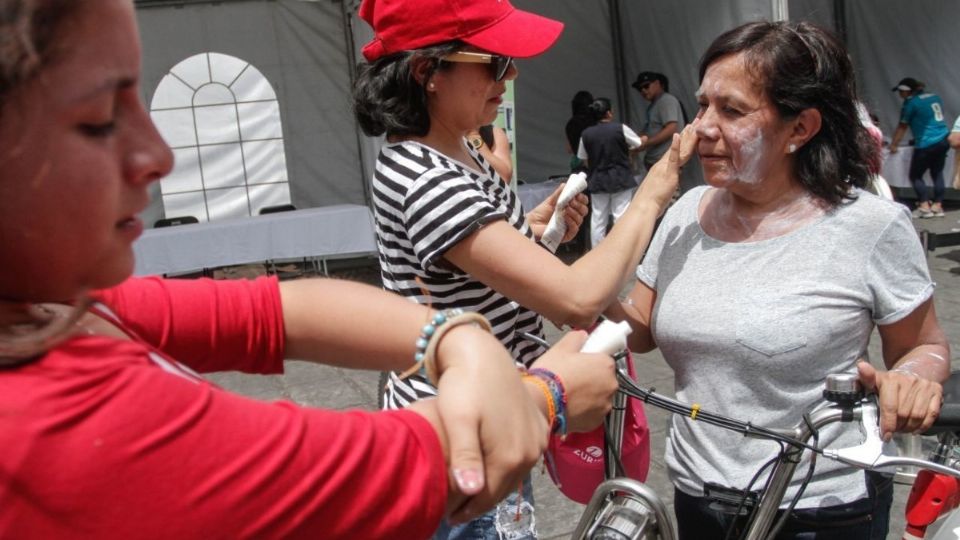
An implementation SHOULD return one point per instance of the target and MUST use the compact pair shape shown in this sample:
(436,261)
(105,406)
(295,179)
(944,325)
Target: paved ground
(313,385)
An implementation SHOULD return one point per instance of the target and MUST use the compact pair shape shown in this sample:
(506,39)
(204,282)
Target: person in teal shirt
(922,112)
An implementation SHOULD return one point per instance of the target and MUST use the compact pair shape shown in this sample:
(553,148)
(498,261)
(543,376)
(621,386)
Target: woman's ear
(805,126)
(421,68)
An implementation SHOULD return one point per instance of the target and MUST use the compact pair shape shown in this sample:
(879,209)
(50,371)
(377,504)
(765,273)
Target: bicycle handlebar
(867,455)
(845,404)
(694,412)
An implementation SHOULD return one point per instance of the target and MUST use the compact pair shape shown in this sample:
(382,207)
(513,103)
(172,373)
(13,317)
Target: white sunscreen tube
(556,227)
(608,337)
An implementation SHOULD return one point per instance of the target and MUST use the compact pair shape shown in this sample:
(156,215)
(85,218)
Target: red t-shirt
(105,438)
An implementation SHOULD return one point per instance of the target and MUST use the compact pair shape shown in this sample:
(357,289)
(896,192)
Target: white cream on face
(736,124)
(742,139)
(747,155)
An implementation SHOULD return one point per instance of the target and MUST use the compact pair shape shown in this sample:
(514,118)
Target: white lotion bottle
(608,337)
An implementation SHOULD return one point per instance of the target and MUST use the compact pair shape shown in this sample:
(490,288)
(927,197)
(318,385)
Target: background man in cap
(923,113)
(665,115)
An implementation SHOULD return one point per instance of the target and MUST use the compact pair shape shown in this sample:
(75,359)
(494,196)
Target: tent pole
(619,68)
(840,20)
(346,9)
(781,11)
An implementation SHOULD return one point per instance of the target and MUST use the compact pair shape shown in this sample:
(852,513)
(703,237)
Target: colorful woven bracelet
(548,395)
(559,392)
(555,378)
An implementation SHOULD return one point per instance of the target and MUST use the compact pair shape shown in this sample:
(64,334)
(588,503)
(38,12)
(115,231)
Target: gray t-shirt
(752,329)
(661,112)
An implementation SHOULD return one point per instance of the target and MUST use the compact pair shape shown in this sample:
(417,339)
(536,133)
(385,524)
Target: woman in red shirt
(107,431)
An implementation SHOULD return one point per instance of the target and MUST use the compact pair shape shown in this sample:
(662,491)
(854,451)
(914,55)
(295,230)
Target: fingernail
(468,480)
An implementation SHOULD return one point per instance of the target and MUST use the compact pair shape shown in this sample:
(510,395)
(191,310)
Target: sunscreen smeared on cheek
(748,153)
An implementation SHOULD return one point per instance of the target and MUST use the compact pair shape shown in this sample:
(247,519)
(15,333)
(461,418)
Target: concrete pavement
(337,388)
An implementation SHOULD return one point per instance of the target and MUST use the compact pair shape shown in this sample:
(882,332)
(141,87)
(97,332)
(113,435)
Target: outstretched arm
(488,442)
(502,258)
(331,321)
(663,135)
(492,426)
(897,135)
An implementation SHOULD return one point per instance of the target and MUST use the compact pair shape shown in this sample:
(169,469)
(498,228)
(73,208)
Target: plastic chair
(172,221)
(278,208)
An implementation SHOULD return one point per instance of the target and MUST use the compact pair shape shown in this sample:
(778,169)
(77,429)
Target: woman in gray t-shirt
(759,285)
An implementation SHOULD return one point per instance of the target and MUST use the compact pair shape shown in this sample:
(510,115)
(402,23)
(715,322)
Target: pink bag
(578,459)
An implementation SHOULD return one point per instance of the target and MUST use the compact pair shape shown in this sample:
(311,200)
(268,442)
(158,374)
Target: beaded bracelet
(430,336)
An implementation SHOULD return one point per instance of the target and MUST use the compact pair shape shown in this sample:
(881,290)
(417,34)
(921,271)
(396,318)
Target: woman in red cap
(450,232)
(106,429)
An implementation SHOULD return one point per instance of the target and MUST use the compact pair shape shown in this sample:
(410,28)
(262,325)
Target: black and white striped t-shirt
(424,203)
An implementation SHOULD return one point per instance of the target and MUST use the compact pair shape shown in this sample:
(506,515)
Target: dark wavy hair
(387,99)
(580,104)
(802,66)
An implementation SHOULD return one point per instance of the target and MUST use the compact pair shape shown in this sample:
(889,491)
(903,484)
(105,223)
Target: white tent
(307,51)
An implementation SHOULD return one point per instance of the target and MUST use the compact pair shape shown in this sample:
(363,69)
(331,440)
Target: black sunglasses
(499,65)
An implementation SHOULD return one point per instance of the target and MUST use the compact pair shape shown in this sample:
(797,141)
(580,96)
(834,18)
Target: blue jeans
(484,527)
(930,159)
(865,519)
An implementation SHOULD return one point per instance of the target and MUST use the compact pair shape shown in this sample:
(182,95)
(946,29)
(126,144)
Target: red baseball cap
(491,25)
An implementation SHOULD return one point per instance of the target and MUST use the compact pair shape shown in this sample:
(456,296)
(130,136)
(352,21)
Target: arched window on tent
(221,117)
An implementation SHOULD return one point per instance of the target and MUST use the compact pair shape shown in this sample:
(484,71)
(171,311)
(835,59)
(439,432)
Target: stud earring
(792,148)
(431,86)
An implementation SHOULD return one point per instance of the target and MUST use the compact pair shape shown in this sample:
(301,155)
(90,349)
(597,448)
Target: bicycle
(625,509)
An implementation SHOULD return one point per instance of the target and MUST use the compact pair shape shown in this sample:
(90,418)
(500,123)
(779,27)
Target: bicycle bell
(843,389)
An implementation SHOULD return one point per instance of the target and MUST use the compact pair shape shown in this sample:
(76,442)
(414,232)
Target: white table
(322,233)
(896,168)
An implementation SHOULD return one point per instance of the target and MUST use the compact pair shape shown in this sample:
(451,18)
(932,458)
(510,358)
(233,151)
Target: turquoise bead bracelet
(430,336)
